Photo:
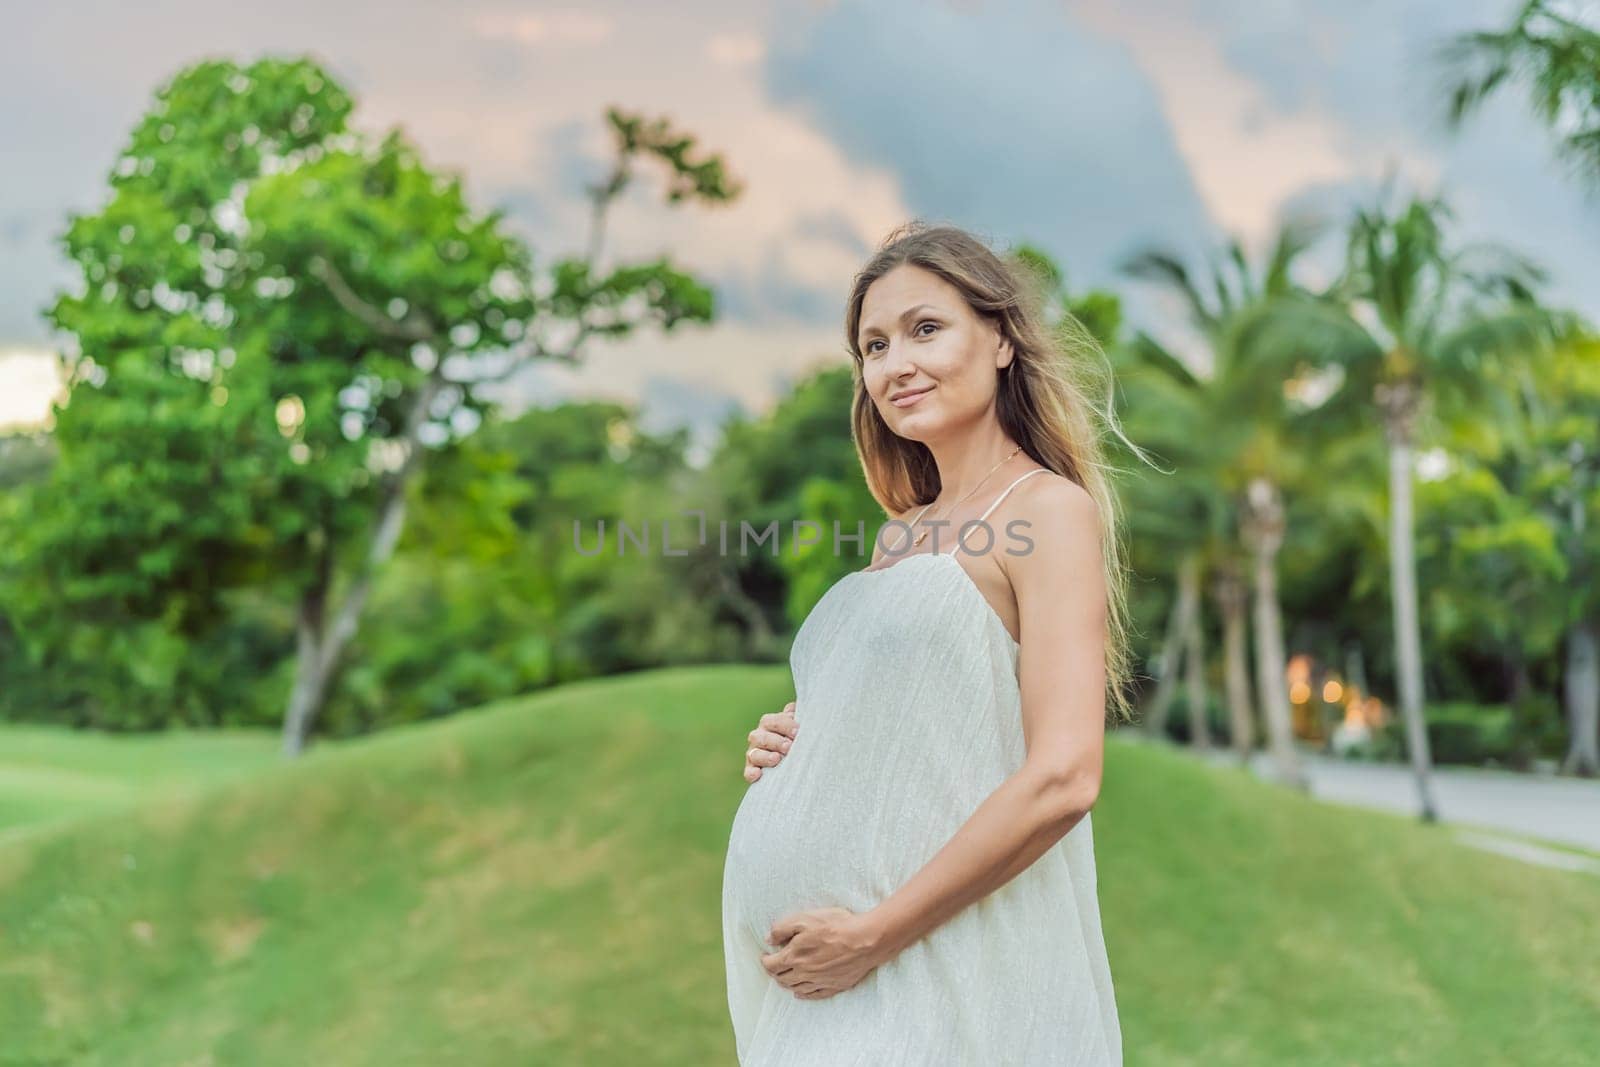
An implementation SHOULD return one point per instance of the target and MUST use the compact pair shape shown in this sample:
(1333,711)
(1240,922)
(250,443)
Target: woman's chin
(917,425)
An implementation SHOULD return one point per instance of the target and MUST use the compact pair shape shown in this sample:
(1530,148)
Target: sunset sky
(1090,128)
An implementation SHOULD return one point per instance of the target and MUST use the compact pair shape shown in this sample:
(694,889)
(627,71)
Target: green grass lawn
(49,775)
(538,882)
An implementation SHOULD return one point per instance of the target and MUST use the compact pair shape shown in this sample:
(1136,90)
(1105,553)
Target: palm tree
(1242,457)
(1184,516)
(1547,456)
(1576,496)
(1559,58)
(1407,324)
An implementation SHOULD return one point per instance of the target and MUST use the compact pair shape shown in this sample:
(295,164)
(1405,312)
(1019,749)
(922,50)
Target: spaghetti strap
(1005,492)
(960,538)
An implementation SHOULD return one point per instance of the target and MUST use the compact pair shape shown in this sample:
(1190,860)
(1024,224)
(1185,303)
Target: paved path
(1563,811)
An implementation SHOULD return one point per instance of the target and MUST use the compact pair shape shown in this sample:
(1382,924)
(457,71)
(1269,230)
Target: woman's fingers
(769,741)
(762,757)
(781,722)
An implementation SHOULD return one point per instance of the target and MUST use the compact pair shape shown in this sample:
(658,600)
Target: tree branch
(414,327)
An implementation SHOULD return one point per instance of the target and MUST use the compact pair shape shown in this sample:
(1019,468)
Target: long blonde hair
(1043,401)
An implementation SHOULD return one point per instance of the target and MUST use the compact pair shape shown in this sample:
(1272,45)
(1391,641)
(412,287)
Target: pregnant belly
(841,824)
(801,840)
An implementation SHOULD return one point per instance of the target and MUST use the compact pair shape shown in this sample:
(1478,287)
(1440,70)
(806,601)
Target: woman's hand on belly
(823,951)
(769,741)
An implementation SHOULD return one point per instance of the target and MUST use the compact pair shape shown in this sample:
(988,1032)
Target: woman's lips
(911,398)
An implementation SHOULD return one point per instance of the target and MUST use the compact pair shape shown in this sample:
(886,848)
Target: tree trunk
(319,645)
(1399,403)
(311,668)
(758,633)
(1173,644)
(1229,592)
(1195,677)
(1264,529)
(1582,697)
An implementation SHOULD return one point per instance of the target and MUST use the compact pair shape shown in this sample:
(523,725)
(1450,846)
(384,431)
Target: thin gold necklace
(923,535)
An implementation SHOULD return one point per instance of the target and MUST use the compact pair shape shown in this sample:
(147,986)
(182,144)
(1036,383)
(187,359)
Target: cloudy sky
(1089,127)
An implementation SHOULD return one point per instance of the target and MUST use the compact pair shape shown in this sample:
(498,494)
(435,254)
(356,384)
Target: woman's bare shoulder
(1059,513)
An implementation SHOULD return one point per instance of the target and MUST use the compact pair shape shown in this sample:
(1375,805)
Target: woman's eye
(872,346)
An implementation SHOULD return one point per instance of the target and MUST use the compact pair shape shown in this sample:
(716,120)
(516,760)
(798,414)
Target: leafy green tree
(1555,55)
(25,459)
(282,318)
(1534,533)
(1412,323)
(488,595)
(1566,482)
(795,462)
(1231,431)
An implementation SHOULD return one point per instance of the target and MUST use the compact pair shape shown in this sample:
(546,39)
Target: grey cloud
(772,294)
(1014,120)
(1372,69)
(1371,63)
(833,226)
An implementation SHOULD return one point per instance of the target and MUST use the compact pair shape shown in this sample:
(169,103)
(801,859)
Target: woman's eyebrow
(904,315)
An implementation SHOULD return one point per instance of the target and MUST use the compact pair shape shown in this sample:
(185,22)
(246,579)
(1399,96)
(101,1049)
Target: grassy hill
(48,775)
(538,882)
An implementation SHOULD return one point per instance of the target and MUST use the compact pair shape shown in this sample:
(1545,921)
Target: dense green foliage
(279,318)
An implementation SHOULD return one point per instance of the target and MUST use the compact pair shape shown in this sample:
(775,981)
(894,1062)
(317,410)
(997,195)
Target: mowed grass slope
(538,882)
(49,774)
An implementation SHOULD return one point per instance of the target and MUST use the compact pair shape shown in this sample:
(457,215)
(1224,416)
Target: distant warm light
(1361,715)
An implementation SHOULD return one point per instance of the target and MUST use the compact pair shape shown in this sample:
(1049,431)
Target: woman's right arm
(769,741)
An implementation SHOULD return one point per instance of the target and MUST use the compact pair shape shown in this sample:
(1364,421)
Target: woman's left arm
(1061,600)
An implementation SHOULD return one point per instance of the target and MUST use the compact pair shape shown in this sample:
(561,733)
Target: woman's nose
(897,362)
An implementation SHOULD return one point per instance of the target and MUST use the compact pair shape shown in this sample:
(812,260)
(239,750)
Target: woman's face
(919,338)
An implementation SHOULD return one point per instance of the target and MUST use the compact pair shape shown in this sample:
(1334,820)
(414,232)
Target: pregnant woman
(914,882)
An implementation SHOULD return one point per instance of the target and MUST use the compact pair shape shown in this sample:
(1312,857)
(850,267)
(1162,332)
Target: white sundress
(906,681)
